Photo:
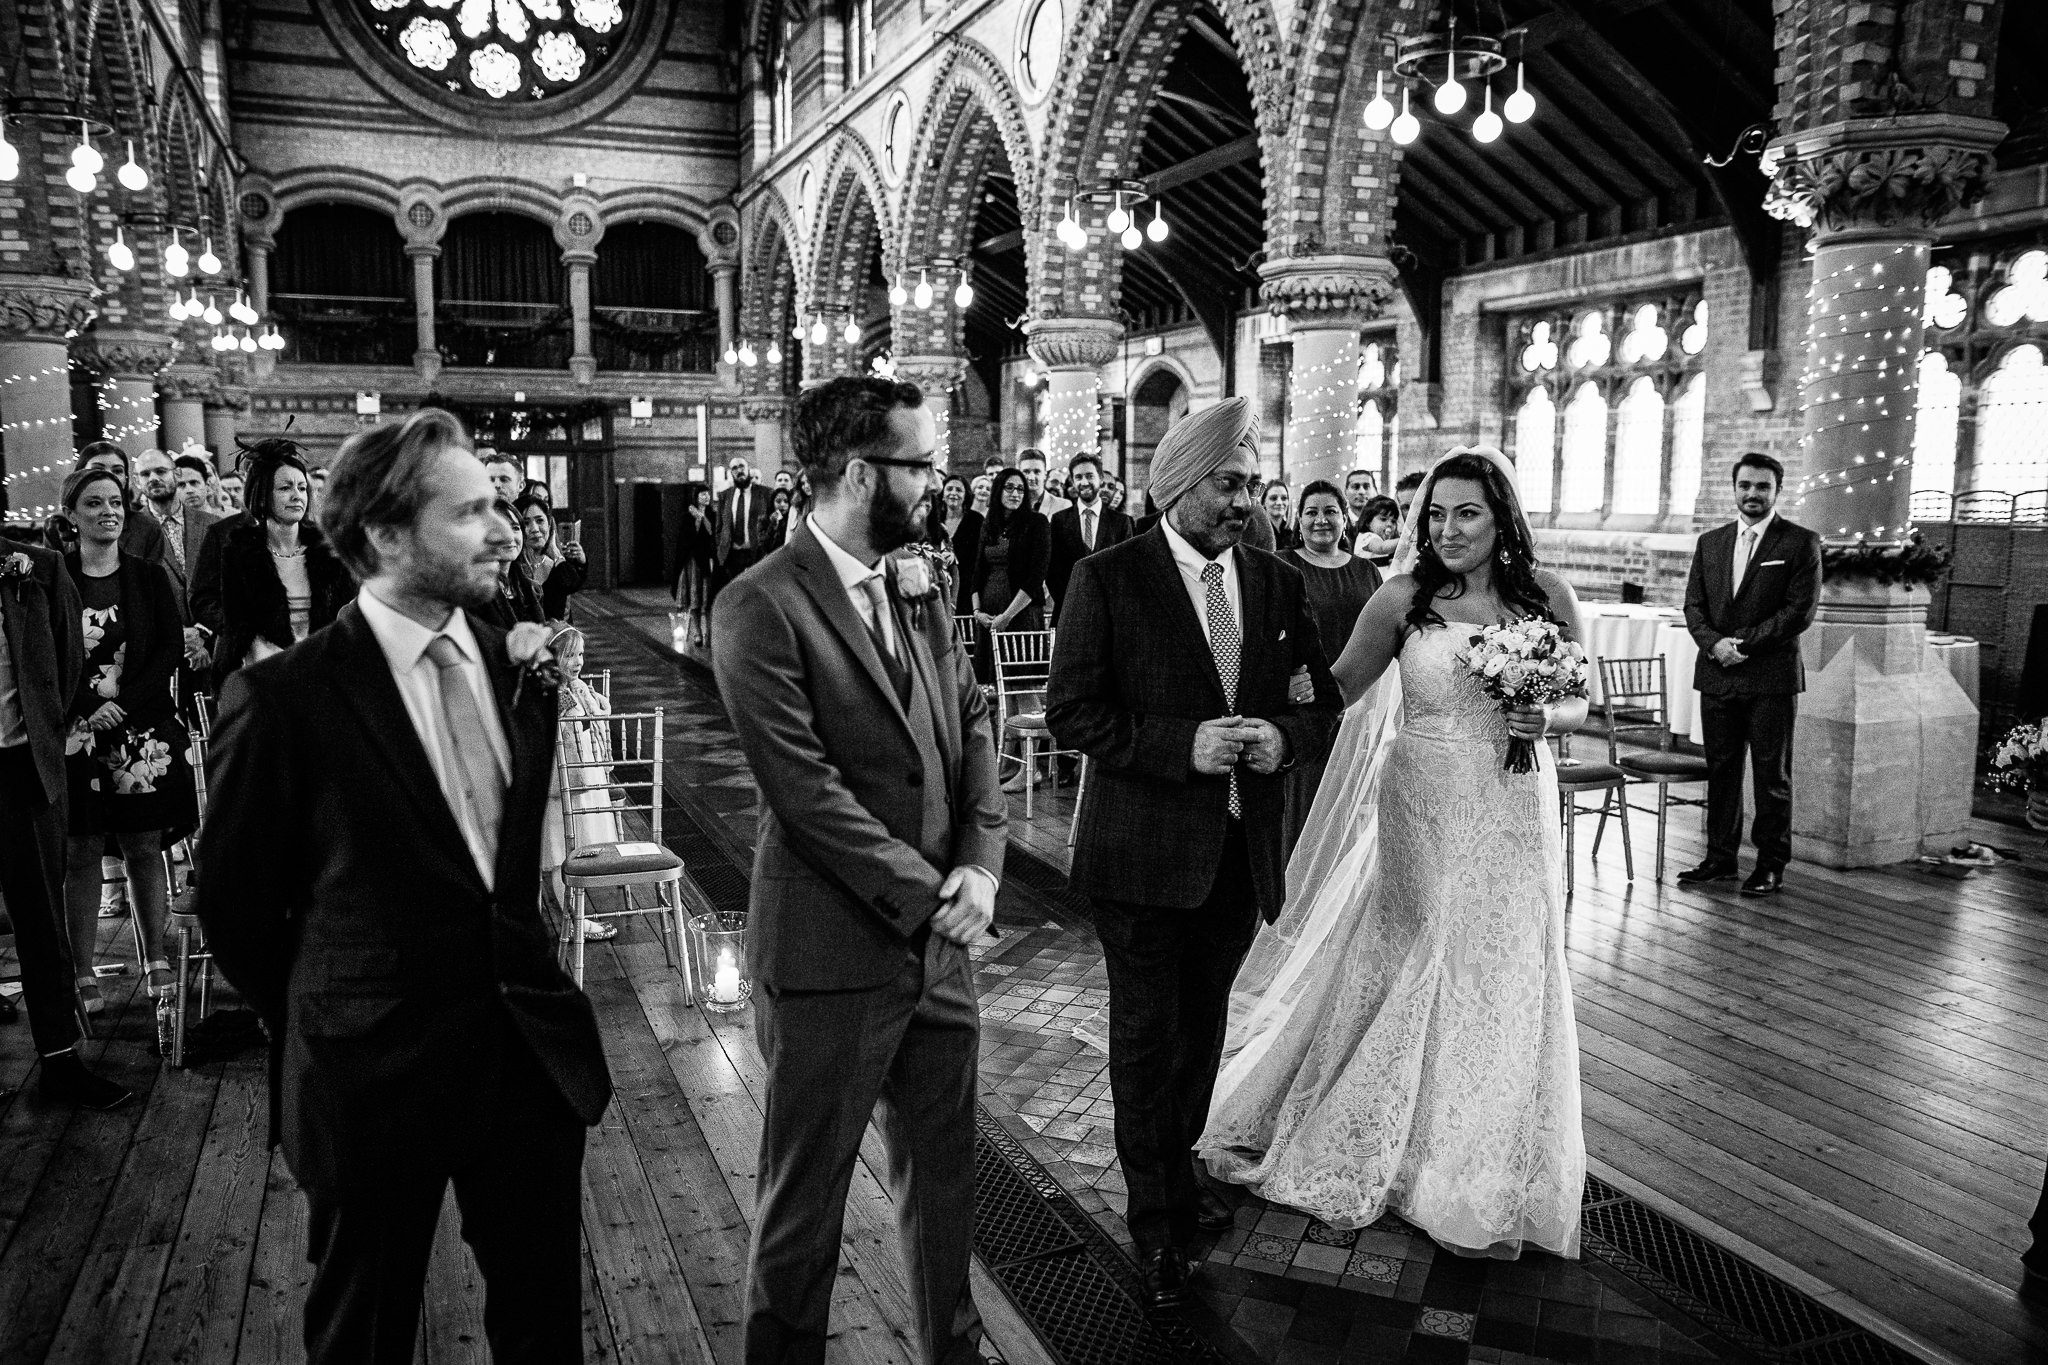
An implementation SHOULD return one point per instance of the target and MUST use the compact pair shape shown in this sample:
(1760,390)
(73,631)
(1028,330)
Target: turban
(1197,445)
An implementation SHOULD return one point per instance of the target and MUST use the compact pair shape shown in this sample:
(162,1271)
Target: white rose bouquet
(1526,663)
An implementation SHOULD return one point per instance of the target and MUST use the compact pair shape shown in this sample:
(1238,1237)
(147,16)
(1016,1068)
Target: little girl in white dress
(589,787)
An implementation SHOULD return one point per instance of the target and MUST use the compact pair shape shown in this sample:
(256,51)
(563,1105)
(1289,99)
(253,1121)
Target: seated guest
(552,570)
(1082,529)
(1279,504)
(696,554)
(125,751)
(1380,535)
(1007,588)
(278,581)
(957,525)
(1339,585)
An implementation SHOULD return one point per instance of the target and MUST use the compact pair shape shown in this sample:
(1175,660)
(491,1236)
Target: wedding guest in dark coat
(1171,673)
(371,886)
(958,525)
(279,581)
(42,657)
(1754,587)
(1009,573)
(1081,529)
(1339,584)
(554,571)
(697,559)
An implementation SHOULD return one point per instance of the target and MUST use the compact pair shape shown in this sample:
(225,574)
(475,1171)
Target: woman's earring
(1503,552)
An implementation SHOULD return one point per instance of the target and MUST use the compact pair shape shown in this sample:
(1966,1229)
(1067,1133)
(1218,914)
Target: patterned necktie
(468,759)
(1088,528)
(1226,644)
(174,541)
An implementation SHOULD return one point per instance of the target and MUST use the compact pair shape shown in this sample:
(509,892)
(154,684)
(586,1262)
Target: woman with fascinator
(1404,1040)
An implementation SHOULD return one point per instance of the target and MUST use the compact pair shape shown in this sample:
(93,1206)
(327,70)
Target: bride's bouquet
(1526,663)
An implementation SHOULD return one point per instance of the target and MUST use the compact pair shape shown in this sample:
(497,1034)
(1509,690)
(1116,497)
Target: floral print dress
(136,776)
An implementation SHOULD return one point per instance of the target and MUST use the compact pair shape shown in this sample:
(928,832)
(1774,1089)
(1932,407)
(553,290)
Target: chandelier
(924,295)
(1122,196)
(1449,60)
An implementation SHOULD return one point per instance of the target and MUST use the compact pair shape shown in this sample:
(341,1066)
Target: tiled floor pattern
(1291,1290)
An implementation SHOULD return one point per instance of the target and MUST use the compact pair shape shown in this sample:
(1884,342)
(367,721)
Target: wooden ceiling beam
(1468,218)
(1616,182)
(1201,164)
(1518,203)
(1589,115)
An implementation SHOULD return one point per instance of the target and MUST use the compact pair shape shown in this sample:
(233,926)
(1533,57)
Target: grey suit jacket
(195,525)
(849,861)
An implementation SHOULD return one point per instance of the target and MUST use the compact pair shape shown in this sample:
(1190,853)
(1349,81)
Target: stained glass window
(500,50)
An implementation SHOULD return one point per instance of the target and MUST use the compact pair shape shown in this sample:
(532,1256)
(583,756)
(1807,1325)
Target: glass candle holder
(718,961)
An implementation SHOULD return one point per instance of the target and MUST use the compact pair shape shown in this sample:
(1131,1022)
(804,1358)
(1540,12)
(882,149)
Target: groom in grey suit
(880,850)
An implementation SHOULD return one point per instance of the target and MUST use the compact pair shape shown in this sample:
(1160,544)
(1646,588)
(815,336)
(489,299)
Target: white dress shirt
(742,527)
(1745,553)
(1191,562)
(404,642)
(853,576)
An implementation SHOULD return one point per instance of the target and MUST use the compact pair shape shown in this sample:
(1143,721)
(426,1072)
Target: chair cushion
(614,860)
(1588,774)
(1029,722)
(1675,767)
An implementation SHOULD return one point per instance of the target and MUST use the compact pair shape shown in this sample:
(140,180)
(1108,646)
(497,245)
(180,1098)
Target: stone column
(938,376)
(256,251)
(582,364)
(1326,300)
(725,296)
(38,314)
(426,358)
(224,409)
(1072,351)
(182,391)
(1885,759)
(767,413)
(127,361)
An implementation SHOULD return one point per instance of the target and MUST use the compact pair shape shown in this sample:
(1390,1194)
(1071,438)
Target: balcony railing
(339,329)
(336,329)
(655,340)
(522,336)
(1983,507)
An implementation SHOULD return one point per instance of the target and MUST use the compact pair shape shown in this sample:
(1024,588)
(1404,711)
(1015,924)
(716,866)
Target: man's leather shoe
(1706,872)
(1165,1273)
(66,1081)
(1764,881)
(1212,1211)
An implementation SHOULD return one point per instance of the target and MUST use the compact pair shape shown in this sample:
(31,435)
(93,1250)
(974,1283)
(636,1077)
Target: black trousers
(1763,727)
(31,880)
(1169,998)
(904,1052)
(521,1201)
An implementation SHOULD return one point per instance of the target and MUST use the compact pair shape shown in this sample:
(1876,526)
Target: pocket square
(1281,636)
(1769,563)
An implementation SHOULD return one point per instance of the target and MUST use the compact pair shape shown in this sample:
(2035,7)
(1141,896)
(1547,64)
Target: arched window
(1639,450)
(2012,425)
(1688,445)
(857,33)
(1536,450)
(1584,485)
(1934,430)
(781,32)
(500,50)
(342,288)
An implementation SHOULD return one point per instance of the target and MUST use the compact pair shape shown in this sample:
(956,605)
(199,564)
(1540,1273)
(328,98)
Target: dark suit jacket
(760,507)
(1132,678)
(1774,608)
(46,642)
(1111,528)
(340,899)
(202,597)
(253,601)
(844,877)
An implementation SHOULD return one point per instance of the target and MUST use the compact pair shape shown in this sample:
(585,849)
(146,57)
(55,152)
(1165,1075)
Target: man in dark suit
(41,655)
(1171,672)
(370,870)
(881,844)
(1083,528)
(1754,586)
(744,511)
(184,526)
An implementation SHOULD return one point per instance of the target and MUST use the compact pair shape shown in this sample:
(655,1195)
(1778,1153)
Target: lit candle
(725,985)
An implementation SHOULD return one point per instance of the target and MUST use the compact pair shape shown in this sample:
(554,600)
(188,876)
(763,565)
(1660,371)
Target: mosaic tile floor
(1279,1287)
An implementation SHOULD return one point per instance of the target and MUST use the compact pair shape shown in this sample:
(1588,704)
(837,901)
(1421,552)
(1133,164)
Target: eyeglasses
(928,466)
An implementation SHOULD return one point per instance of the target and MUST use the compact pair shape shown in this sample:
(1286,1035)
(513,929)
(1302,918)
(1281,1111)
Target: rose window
(500,50)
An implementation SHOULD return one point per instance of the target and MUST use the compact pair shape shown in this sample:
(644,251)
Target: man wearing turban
(1170,671)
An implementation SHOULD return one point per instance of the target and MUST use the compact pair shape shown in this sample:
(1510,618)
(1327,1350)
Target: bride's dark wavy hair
(1514,558)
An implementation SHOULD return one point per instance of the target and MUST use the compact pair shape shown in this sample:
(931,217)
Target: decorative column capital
(124,352)
(416,249)
(937,375)
(228,398)
(45,307)
(187,383)
(1073,343)
(1327,292)
(1880,177)
(765,407)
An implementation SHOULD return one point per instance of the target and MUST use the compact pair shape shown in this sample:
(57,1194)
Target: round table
(1625,630)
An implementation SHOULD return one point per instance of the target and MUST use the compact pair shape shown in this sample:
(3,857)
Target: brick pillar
(426,357)
(37,313)
(1326,299)
(1072,352)
(938,376)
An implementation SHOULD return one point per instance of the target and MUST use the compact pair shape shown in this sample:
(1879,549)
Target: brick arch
(768,288)
(964,135)
(1314,201)
(1097,124)
(494,195)
(334,185)
(851,216)
(183,160)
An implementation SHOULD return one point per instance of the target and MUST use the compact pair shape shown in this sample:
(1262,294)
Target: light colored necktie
(467,755)
(1226,644)
(1088,529)
(878,626)
(1742,555)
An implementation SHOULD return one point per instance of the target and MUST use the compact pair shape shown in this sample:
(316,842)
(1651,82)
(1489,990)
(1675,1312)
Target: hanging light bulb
(273,340)
(1118,220)
(1450,96)
(963,297)
(240,310)
(209,263)
(818,330)
(1487,126)
(796,330)
(1131,238)
(177,307)
(176,259)
(210,313)
(852,332)
(1407,127)
(1379,112)
(1070,230)
(81,179)
(85,156)
(923,296)
(10,159)
(1519,107)
(731,355)
(774,352)
(747,356)
(193,307)
(247,344)
(1156,229)
(898,295)
(131,175)
(221,341)
(119,253)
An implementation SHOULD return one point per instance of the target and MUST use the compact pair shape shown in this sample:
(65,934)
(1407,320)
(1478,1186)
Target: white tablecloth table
(1622,630)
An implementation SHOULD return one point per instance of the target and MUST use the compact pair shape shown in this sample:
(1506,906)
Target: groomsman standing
(1082,529)
(1755,583)
(1171,673)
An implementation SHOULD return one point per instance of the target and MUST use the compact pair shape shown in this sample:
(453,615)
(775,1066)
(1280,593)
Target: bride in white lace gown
(1403,1039)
